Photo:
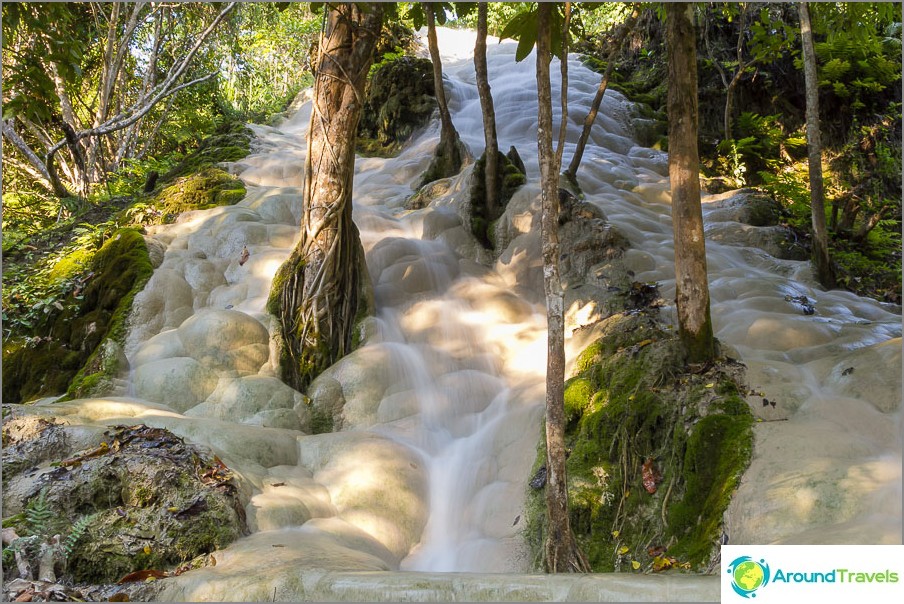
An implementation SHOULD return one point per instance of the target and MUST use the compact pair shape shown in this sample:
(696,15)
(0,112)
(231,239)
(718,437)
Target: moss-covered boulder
(509,178)
(399,100)
(45,364)
(209,188)
(139,498)
(656,452)
(231,143)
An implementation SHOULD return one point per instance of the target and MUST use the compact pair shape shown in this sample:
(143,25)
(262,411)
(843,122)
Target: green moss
(577,397)
(399,100)
(509,179)
(629,402)
(718,451)
(123,267)
(71,264)
(230,144)
(209,188)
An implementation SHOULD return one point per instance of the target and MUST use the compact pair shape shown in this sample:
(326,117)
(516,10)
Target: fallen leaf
(616,534)
(245,254)
(654,551)
(120,597)
(25,596)
(623,550)
(651,476)
(635,564)
(278,484)
(147,549)
(710,385)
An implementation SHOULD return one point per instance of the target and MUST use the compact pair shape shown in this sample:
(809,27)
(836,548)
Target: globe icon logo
(748,575)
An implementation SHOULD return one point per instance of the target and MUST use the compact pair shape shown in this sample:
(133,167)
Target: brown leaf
(74,461)
(25,596)
(141,575)
(245,254)
(656,550)
(120,597)
(651,475)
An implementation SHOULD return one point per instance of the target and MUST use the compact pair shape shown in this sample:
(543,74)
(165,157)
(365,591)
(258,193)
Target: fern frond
(38,514)
(75,533)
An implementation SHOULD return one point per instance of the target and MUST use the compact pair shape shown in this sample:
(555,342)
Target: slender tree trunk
(692,289)
(561,549)
(47,172)
(620,36)
(491,154)
(739,73)
(449,154)
(821,261)
(563,67)
(316,292)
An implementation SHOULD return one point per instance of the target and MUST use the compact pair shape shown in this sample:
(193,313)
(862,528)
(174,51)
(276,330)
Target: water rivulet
(426,434)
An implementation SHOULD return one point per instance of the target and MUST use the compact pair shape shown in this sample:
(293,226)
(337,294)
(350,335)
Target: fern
(75,533)
(38,515)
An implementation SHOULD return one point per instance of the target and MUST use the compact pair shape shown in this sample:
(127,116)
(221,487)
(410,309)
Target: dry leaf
(651,475)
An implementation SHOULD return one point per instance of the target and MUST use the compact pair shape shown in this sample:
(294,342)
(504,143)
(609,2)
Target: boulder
(140,498)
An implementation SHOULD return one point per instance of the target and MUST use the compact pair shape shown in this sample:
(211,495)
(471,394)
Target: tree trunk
(821,262)
(692,289)
(561,550)
(575,163)
(47,173)
(449,154)
(316,292)
(491,167)
(739,73)
(563,66)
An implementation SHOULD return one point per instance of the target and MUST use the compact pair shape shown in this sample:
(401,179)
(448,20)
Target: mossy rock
(145,498)
(47,364)
(209,188)
(71,265)
(638,420)
(399,100)
(509,178)
(231,143)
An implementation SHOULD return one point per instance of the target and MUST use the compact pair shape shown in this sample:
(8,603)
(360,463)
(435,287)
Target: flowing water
(442,406)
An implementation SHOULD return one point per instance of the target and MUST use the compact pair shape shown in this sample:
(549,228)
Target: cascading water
(439,413)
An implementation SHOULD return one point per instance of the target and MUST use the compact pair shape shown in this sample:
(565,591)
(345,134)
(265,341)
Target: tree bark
(52,179)
(620,36)
(821,261)
(692,289)
(316,292)
(491,166)
(449,154)
(561,549)
(739,73)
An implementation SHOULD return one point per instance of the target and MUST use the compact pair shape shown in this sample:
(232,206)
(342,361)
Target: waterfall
(443,404)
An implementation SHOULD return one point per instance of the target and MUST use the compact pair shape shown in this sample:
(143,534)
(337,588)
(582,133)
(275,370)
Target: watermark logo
(748,575)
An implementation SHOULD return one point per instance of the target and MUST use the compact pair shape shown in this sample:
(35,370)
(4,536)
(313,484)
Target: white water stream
(442,406)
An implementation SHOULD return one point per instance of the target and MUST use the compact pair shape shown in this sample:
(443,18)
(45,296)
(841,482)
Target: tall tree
(618,39)
(450,153)
(692,289)
(316,291)
(561,549)
(71,80)
(821,261)
(491,154)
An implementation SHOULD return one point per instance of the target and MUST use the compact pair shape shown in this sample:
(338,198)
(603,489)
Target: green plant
(39,518)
